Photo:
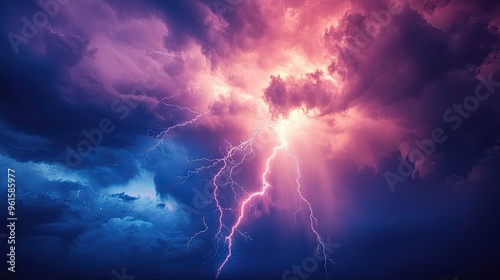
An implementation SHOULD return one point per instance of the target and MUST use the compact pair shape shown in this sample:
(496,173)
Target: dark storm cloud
(66,50)
(396,65)
(308,93)
(74,222)
(33,101)
(50,93)
(186,20)
(124,197)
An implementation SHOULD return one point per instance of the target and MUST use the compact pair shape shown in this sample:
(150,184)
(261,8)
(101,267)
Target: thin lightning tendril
(321,248)
(162,136)
(198,233)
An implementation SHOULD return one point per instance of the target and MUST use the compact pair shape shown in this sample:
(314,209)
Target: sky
(241,139)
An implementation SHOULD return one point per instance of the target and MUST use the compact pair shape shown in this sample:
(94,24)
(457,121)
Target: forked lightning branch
(11,219)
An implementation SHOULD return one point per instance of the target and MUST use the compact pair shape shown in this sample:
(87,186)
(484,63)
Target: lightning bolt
(243,207)
(198,233)
(321,248)
(154,71)
(228,163)
(163,135)
(233,157)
